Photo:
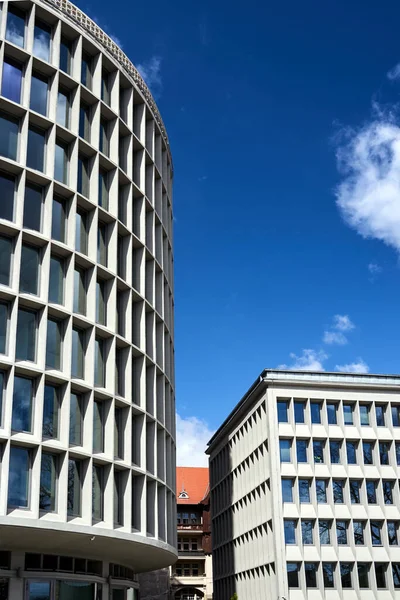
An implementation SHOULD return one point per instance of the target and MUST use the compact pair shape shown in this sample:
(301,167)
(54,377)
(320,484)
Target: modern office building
(87,420)
(305,495)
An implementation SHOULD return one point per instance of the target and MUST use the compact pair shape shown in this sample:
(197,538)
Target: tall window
(2,389)
(9,129)
(293,574)
(392,528)
(396,415)
(102,245)
(363,575)
(36,146)
(75,420)
(74,488)
(355,486)
(346,570)
(39,92)
(371,491)
(348,414)
(358,528)
(318,450)
(56,282)
(324,532)
(97,492)
(310,571)
(384,449)
(84,121)
(304,490)
(79,291)
(397,447)
(341,532)
(33,204)
(22,404)
(331,408)
(19,477)
(285,448)
(320,488)
(81,236)
(7,186)
(63,107)
(83,175)
(77,367)
(351,448)
(380,415)
(104,144)
(334,448)
(6,248)
(301,450)
(100,302)
(364,414)
(290,531)
(380,575)
(387,487)
(103,189)
(26,335)
(368,451)
(3,330)
(12,80)
(65,55)
(99,366)
(282,411)
(105,87)
(58,220)
(307,532)
(86,70)
(376,533)
(396,575)
(337,487)
(15,31)
(315,412)
(98,427)
(61,162)
(53,344)
(287,490)
(48,482)
(328,570)
(299,411)
(119,433)
(29,270)
(51,405)
(42,40)
(118,499)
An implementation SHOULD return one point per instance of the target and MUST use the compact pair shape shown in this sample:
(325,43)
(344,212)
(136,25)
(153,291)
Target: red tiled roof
(194,481)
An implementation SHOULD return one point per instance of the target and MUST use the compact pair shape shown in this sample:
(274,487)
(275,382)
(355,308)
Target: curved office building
(87,451)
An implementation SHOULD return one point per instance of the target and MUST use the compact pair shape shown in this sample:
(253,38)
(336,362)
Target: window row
(329,531)
(335,575)
(350,452)
(189,569)
(341,491)
(318,412)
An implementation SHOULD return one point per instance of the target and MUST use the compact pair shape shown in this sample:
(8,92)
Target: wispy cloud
(335,335)
(374,268)
(192,436)
(394,73)
(150,70)
(359,366)
(343,323)
(309,360)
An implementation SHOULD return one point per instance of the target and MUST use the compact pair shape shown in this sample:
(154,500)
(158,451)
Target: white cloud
(334,337)
(394,72)
(359,366)
(150,70)
(192,436)
(309,360)
(374,268)
(343,323)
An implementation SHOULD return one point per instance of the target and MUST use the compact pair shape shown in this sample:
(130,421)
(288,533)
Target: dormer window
(183,495)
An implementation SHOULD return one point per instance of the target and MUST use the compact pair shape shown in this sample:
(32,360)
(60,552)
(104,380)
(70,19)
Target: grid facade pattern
(325,466)
(87,422)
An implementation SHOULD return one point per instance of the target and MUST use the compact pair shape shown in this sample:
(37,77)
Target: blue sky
(261,102)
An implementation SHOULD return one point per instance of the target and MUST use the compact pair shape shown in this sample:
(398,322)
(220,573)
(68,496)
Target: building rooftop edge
(269,376)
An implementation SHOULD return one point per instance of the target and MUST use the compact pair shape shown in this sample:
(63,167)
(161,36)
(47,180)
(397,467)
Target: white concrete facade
(305,494)
(87,419)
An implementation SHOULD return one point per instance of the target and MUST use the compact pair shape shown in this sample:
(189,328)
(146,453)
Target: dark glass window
(77,367)
(315,412)
(84,121)
(337,486)
(104,144)
(334,448)
(396,575)
(61,162)
(103,189)
(99,366)
(74,491)
(282,411)
(392,527)
(51,406)
(6,248)
(290,531)
(328,570)
(324,532)
(15,31)
(7,185)
(9,128)
(318,450)
(364,414)
(387,487)
(304,490)
(56,283)
(307,532)
(63,105)
(311,570)
(22,404)
(299,411)
(346,570)
(287,490)
(83,176)
(301,450)
(48,482)
(348,414)
(100,303)
(355,486)
(331,408)
(53,344)
(351,448)
(384,449)
(98,427)
(26,335)
(33,207)
(75,420)
(284,449)
(358,528)
(3,332)
(97,493)
(118,498)
(2,388)
(29,270)
(36,146)
(42,40)
(341,532)
(19,477)
(58,220)
(368,451)
(380,575)
(376,533)
(65,55)
(380,415)
(396,415)
(102,245)
(363,575)
(371,491)
(39,91)
(320,488)
(81,232)
(105,87)
(12,80)
(86,70)
(79,291)
(398,453)
(293,574)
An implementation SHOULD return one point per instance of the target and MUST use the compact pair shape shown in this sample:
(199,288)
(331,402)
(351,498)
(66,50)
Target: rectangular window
(51,405)
(61,162)
(392,527)
(98,427)
(290,531)
(376,533)
(33,204)
(22,404)
(337,486)
(42,41)
(307,533)
(284,449)
(26,335)
(316,412)
(318,451)
(364,414)
(311,570)
(287,490)
(99,366)
(355,486)
(324,532)
(371,491)
(39,93)
(396,575)
(301,451)
(3,330)
(358,529)
(380,575)
(74,491)
(9,130)
(12,80)
(63,107)
(36,146)
(118,499)
(397,453)
(104,142)
(348,414)
(56,282)
(334,448)
(48,482)
(103,189)
(380,415)
(102,245)
(81,234)
(384,449)
(75,420)
(304,490)
(331,408)
(53,344)
(65,55)
(84,121)
(387,487)
(19,477)
(86,70)
(79,291)
(320,488)
(283,406)
(58,220)
(119,433)
(97,493)
(15,31)
(396,415)
(363,575)
(368,451)
(341,533)
(77,366)
(351,448)
(105,87)
(83,176)
(293,574)
(328,570)
(299,411)
(29,270)
(346,570)
(7,185)
(100,303)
